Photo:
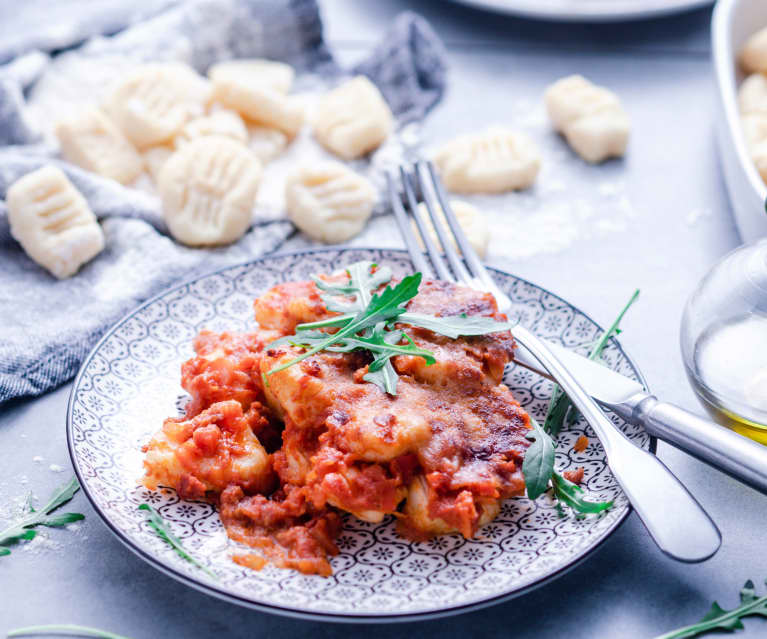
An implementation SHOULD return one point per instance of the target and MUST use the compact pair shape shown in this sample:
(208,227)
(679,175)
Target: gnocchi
(259,72)
(153,103)
(752,95)
(91,141)
(155,158)
(208,189)
(262,104)
(221,122)
(352,119)
(329,202)
(590,117)
(265,142)
(51,220)
(471,221)
(753,55)
(755,132)
(493,161)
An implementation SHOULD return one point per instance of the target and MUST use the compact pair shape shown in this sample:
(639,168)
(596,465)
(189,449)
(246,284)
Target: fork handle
(675,520)
(724,449)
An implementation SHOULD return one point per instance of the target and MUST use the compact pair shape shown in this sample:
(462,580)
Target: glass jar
(724,341)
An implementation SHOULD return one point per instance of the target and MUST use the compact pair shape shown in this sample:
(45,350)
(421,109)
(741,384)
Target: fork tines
(422,189)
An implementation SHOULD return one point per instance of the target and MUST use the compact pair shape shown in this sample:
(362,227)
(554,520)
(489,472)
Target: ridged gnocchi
(51,220)
(91,141)
(208,190)
(153,103)
(352,119)
(328,201)
(493,161)
(753,55)
(260,103)
(590,117)
(221,122)
(471,221)
(277,75)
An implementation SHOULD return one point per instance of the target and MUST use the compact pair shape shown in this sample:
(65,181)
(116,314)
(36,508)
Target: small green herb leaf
(64,629)
(160,528)
(382,374)
(364,277)
(22,530)
(574,496)
(538,464)
(717,618)
(455,326)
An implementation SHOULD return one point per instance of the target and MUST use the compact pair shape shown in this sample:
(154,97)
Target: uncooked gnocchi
(753,55)
(153,103)
(155,158)
(329,202)
(471,221)
(51,220)
(91,141)
(590,117)
(221,122)
(260,103)
(493,161)
(208,190)
(352,119)
(265,142)
(258,72)
(752,95)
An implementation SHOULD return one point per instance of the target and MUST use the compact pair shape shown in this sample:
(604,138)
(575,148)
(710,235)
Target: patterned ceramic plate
(130,383)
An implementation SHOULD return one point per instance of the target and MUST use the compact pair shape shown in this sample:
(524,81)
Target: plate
(130,382)
(588,10)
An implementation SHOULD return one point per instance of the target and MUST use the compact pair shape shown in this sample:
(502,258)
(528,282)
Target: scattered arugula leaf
(160,528)
(364,278)
(23,529)
(573,495)
(538,464)
(717,618)
(64,629)
(559,405)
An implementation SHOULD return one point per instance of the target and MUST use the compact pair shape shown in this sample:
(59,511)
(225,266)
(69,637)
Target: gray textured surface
(627,588)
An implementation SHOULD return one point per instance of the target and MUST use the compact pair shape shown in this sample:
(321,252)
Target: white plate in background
(588,10)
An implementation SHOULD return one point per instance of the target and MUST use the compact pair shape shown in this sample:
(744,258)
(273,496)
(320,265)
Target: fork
(675,520)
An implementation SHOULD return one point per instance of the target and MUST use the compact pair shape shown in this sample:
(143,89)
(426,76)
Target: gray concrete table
(625,589)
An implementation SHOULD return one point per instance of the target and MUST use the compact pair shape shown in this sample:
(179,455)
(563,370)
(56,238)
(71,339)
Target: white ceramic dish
(130,382)
(733,22)
(588,10)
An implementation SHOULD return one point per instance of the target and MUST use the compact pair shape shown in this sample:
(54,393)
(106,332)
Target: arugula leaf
(538,464)
(160,528)
(63,629)
(455,326)
(382,307)
(717,618)
(22,529)
(560,403)
(573,495)
(382,374)
(363,279)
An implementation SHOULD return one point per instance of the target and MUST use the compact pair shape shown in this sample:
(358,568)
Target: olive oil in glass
(724,341)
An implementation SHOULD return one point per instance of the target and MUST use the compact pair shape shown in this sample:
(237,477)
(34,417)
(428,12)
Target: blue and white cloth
(48,326)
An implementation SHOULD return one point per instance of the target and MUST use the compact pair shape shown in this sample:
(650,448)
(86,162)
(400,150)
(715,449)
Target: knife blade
(720,447)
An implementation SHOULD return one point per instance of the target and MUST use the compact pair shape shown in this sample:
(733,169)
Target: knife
(720,447)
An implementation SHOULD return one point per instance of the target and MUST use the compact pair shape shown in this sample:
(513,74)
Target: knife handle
(722,448)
